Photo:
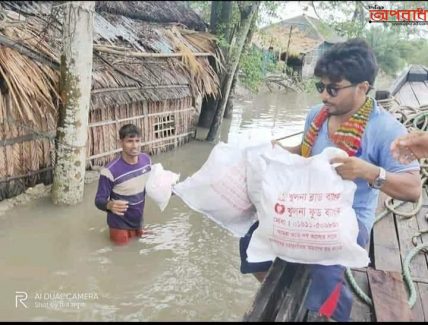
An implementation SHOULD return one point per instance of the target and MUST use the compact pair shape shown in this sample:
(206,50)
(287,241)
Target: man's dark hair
(352,60)
(129,130)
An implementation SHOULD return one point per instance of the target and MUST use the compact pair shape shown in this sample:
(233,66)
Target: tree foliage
(251,66)
(391,53)
(419,52)
(202,8)
(248,10)
(391,43)
(254,66)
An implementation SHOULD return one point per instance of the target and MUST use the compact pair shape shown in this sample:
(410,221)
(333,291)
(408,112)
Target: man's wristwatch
(380,180)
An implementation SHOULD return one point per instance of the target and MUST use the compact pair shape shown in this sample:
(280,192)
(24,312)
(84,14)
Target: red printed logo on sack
(279,208)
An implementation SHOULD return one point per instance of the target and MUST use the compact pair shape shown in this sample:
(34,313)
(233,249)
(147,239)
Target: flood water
(57,263)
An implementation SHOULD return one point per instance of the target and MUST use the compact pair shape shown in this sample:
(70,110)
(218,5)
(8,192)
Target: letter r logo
(20,297)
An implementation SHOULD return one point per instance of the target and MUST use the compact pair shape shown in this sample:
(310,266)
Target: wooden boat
(411,87)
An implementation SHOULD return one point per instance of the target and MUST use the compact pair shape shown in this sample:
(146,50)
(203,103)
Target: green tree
(251,65)
(336,14)
(247,11)
(391,53)
(419,52)
(202,8)
(394,53)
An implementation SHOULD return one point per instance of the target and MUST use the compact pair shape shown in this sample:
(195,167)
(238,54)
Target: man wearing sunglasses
(351,120)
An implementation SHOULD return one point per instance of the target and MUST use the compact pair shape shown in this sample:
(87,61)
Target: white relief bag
(219,190)
(255,167)
(305,213)
(159,185)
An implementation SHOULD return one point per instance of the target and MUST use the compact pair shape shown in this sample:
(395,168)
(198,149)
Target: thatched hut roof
(154,11)
(307,34)
(148,66)
(119,76)
(277,37)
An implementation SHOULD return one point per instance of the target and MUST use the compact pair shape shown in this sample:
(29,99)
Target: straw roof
(117,78)
(307,34)
(154,11)
(138,36)
(277,37)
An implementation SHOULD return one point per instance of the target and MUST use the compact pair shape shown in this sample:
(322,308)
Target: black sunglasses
(331,90)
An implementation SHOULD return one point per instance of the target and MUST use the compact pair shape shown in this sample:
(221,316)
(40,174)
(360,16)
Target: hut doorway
(294,63)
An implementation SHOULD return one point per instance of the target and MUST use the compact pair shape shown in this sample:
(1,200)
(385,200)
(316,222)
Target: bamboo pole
(288,136)
(288,49)
(138,117)
(29,174)
(104,90)
(126,52)
(118,69)
(28,137)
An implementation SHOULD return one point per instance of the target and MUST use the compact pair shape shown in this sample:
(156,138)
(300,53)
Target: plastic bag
(219,190)
(159,185)
(305,213)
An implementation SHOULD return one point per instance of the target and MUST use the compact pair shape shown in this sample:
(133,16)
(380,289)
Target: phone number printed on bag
(295,225)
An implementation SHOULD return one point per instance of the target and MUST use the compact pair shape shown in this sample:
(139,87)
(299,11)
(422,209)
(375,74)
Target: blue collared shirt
(381,129)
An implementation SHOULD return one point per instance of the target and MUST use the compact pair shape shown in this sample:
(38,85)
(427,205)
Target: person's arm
(102,197)
(404,186)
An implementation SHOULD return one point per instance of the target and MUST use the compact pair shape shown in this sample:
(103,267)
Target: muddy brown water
(56,263)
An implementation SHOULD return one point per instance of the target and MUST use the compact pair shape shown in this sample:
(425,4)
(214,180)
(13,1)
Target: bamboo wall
(26,153)
(164,125)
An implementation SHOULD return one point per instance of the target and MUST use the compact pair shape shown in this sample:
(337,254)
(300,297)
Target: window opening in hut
(164,126)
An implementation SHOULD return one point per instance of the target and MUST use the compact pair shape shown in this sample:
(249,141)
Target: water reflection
(270,116)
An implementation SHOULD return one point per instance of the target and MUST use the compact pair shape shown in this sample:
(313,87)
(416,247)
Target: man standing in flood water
(121,187)
(352,121)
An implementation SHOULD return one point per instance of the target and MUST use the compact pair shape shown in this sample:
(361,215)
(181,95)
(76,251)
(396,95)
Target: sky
(287,10)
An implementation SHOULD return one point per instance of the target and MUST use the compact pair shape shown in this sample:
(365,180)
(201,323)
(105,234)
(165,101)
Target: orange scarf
(347,137)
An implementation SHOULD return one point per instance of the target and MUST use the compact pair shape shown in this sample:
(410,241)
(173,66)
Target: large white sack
(305,213)
(255,165)
(219,190)
(159,185)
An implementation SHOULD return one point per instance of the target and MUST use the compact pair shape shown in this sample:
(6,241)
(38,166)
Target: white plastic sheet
(159,185)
